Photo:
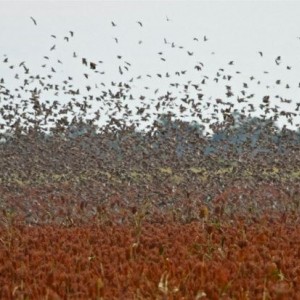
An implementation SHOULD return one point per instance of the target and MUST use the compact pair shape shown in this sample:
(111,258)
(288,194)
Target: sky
(235,31)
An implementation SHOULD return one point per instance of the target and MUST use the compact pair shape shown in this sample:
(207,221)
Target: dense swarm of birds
(145,150)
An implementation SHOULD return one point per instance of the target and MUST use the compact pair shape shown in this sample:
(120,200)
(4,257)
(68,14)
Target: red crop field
(148,237)
(226,260)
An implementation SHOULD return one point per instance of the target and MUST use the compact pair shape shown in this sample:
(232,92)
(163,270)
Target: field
(216,228)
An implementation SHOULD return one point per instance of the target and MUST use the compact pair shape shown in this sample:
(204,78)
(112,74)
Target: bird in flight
(277,60)
(84,61)
(140,23)
(33,20)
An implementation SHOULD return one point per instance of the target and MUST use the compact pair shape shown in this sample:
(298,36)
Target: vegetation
(122,213)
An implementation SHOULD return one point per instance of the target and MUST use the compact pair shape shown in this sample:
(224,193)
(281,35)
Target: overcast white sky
(236,30)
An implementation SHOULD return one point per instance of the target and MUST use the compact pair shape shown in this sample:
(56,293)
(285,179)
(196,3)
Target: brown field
(126,216)
(191,251)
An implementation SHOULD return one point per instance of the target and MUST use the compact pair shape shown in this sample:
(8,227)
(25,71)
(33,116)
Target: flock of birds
(116,101)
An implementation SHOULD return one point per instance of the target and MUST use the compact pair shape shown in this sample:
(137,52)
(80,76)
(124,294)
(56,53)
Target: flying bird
(33,20)
(120,70)
(266,99)
(92,65)
(84,61)
(140,23)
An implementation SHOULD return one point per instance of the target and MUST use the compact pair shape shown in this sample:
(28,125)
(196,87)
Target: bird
(84,61)
(33,20)
(277,60)
(266,99)
(92,65)
(120,70)
(140,23)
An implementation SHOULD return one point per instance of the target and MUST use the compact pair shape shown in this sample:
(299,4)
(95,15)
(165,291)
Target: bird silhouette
(33,20)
